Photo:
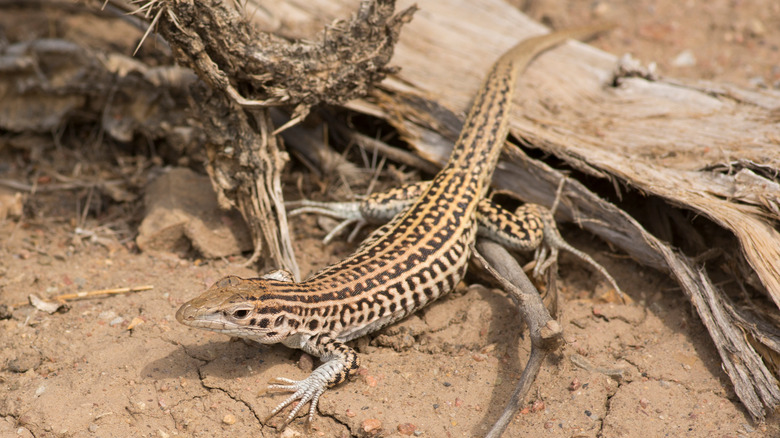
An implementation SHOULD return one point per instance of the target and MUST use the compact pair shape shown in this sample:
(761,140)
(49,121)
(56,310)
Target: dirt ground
(122,366)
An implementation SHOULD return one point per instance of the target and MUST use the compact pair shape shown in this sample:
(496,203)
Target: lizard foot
(547,253)
(307,390)
(348,212)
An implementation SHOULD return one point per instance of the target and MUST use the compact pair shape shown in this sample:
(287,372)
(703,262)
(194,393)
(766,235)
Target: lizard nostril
(183,313)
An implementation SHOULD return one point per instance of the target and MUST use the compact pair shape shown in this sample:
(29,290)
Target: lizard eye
(241,313)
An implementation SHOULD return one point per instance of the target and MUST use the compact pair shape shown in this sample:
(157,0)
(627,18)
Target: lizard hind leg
(553,242)
(531,228)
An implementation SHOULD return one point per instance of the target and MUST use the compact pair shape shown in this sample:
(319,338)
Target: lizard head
(240,307)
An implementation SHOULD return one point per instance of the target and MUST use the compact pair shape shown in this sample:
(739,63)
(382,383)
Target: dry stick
(393,153)
(36,188)
(92,294)
(546,334)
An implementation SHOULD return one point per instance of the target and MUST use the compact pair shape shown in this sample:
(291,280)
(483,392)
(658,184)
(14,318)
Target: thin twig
(393,153)
(37,188)
(93,294)
(558,194)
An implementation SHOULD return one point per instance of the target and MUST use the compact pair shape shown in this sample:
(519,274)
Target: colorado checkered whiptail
(418,256)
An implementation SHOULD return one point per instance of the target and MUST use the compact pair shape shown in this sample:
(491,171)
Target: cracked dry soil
(627,370)
(646,369)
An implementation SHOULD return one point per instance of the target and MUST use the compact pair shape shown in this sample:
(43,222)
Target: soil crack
(231,396)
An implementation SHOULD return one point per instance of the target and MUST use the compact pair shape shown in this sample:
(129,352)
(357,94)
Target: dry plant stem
(244,159)
(247,72)
(93,294)
(392,153)
(35,188)
(546,334)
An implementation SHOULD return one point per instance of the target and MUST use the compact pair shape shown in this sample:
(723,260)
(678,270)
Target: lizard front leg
(339,362)
(377,208)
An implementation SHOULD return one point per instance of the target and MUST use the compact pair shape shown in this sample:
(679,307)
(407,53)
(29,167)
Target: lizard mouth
(194,317)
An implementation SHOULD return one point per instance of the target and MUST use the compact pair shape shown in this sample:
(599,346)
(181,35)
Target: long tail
(487,124)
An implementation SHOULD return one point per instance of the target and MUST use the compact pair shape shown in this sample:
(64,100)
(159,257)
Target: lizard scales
(420,255)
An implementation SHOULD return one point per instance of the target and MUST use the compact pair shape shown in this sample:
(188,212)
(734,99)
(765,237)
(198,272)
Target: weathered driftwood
(708,148)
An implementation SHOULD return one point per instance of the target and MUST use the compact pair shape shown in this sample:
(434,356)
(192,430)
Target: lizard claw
(553,242)
(348,212)
(307,390)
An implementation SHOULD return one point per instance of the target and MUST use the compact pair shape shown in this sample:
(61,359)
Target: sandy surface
(122,366)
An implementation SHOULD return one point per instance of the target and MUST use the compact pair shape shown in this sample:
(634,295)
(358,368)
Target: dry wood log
(708,148)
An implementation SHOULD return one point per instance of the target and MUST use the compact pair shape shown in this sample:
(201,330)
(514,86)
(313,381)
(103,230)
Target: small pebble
(39,392)
(229,419)
(643,402)
(371,425)
(107,314)
(537,406)
(290,433)
(406,429)
(684,59)
(306,362)
(757,82)
(350,413)
(135,322)
(27,360)
(575,384)
(756,28)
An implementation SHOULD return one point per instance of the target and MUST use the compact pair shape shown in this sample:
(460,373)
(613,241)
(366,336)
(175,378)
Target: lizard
(412,260)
